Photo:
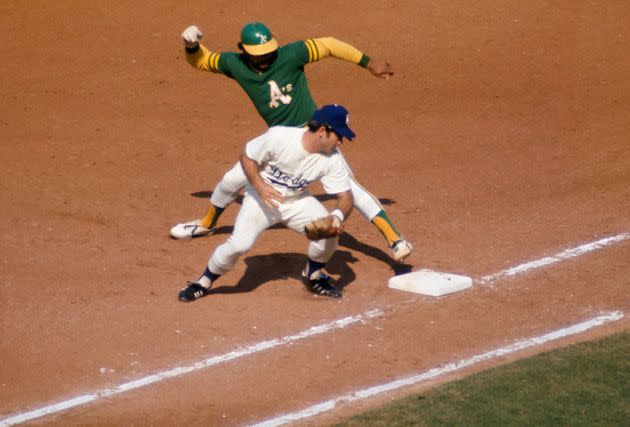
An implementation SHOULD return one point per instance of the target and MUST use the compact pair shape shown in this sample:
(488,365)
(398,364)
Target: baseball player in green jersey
(273,77)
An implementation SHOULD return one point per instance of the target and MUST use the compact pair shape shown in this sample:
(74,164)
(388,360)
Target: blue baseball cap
(336,117)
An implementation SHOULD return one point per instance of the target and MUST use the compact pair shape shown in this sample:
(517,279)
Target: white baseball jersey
(289,168)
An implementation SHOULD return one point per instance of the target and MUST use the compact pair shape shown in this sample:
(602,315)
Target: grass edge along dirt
(583,384)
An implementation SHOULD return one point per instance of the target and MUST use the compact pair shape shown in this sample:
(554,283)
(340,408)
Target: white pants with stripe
(255,217)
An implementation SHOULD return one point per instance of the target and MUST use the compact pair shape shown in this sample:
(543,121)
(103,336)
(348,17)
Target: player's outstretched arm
(323,47)
(266,192)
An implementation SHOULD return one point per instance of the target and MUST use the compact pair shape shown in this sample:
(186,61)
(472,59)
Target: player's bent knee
(241,247)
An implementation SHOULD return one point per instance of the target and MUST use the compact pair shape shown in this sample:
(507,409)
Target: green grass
(587,384)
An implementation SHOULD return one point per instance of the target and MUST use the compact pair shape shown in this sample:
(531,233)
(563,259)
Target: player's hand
(380,68)
(192,35)
(269,195)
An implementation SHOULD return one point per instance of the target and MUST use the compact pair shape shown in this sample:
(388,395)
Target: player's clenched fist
(380,68)
(191,36)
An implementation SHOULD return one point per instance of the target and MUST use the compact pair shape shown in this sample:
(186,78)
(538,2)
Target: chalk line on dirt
(175,372)
(560,256)
(277,342)
(441,371)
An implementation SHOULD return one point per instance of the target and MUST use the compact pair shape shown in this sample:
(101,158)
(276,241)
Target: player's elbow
(346,196)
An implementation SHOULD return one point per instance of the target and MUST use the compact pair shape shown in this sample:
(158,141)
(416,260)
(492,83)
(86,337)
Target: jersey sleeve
(204,59)
(297,52)
(324,47)
(337,178)
(259,149)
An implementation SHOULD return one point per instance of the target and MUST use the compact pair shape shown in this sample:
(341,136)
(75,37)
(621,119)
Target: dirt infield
(502,138)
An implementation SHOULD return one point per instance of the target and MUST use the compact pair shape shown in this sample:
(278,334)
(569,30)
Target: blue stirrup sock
(312,267)
(207,278)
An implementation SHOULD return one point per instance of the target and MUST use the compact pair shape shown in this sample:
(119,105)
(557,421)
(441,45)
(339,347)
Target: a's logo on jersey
(277,95)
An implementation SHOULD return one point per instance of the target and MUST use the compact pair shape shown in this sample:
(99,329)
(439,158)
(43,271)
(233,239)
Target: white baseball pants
(255,217)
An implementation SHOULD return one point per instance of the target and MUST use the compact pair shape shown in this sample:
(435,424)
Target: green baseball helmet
(256,39)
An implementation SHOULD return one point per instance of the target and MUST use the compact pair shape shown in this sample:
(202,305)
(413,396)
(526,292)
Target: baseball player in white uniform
(280,164)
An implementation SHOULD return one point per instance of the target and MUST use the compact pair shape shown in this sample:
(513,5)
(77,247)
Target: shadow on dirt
(278,266)
(346,240)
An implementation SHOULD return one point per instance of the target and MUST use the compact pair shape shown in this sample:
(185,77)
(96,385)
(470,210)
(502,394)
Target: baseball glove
(323,228)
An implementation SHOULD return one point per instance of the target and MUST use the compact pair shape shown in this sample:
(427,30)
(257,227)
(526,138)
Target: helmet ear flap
(240,46)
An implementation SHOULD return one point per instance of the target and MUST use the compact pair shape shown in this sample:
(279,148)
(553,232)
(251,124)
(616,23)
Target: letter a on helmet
(256,39)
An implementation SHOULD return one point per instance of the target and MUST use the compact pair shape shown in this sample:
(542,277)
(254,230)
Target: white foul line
(561,256)
(265,345)
(175,372)
(442,370)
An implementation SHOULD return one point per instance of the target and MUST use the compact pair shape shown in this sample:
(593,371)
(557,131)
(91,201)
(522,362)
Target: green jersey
(281,93)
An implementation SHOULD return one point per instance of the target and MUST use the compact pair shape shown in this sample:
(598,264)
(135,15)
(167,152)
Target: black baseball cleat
(322,286)
(192,292)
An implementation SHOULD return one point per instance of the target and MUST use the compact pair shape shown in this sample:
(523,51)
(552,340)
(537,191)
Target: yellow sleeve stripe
(204,60)
(309,46)
(313,50)
(213,62)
